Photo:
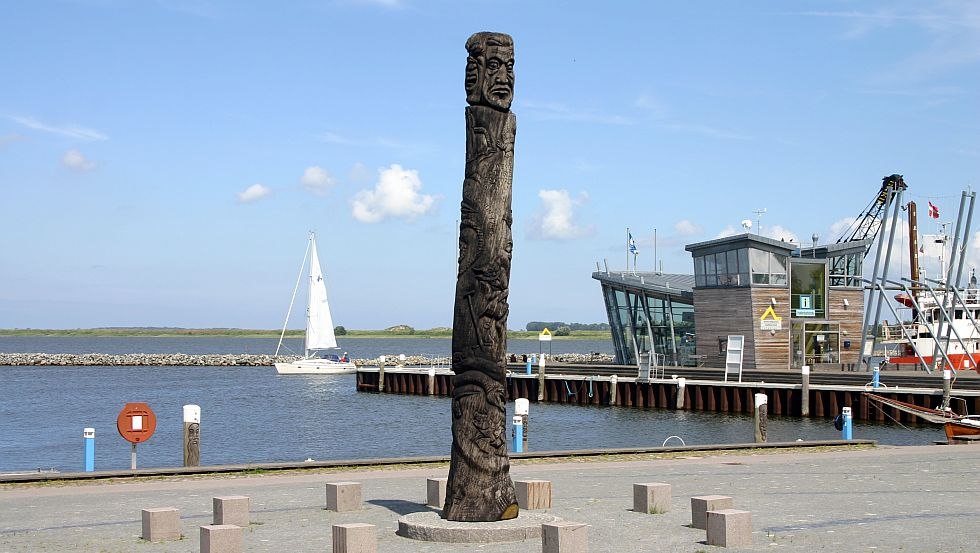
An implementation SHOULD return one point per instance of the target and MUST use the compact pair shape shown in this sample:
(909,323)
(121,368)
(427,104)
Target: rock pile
(243,360)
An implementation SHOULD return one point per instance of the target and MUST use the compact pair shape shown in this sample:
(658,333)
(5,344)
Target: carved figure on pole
(479,488)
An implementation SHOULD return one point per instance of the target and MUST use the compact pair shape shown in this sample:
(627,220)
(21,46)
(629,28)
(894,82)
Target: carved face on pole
(490,70)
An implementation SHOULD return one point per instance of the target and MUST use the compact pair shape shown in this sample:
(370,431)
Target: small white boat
(321,355)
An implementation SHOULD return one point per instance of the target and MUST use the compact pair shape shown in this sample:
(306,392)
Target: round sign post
(136,423)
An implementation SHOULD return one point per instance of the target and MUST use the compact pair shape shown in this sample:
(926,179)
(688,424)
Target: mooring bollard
(522,408)
(805,393)
(432,381)
(89,435)
(681,384)
(192,435)
(613,386)
(876,377)
(761,417)
(541,364)
(947,387)
(517,432)
(847,431)
(381,373)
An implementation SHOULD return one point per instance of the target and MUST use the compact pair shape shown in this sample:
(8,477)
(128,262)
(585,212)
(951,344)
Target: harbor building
(794,306)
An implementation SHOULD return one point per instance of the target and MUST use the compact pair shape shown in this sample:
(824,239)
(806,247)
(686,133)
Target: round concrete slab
(429,526)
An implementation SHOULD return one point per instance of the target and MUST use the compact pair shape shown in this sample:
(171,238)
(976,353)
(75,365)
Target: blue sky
(162,161)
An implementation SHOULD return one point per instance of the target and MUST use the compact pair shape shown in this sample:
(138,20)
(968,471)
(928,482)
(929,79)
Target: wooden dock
(696,390)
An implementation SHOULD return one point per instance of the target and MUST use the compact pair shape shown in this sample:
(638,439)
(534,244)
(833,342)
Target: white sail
(319,323)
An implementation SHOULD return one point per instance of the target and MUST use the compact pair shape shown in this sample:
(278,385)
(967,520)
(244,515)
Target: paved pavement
(912,499)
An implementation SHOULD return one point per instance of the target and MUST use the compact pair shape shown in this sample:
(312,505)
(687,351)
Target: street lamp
(815,237)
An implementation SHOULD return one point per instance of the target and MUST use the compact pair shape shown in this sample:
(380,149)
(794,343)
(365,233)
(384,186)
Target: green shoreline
(152,332)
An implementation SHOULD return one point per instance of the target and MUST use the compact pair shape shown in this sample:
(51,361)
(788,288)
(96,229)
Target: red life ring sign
(136,422)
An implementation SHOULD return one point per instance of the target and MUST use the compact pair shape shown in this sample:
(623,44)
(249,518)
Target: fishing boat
(967,426)
(934,315)
(943,331)
(321,354)
(928,414)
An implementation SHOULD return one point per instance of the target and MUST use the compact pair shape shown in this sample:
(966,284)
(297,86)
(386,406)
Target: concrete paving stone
(911,498)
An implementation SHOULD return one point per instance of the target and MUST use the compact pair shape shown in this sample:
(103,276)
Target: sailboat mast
(309,298)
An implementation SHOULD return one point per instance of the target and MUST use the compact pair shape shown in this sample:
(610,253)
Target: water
(250,414)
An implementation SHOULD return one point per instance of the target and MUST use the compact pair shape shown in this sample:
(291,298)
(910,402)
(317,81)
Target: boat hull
(316,366)
(961,428)
(960,361)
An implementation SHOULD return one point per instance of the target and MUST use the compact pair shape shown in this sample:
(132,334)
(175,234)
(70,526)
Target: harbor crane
(869,222)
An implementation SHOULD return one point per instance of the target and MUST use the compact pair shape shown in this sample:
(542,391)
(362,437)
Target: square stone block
(230,509)
(729,528)
(355,538)
(343,496)
(435,492)
(651,498)
(564,537)
(222,538)
(701,504)
(161,524)
(533,494)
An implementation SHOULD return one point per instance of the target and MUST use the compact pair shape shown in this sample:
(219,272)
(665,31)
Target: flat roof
(672,285)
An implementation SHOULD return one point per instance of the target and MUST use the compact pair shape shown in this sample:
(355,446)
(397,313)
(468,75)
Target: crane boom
(869,222)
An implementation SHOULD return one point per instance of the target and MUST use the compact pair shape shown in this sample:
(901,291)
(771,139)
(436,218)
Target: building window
(808,291)
(846,270)
(729,268)
(767,268)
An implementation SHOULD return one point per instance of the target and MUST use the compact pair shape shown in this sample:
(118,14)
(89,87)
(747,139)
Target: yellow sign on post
(545,335)
(770,320)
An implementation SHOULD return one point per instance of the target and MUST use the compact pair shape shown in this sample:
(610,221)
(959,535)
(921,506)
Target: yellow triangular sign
(770,313)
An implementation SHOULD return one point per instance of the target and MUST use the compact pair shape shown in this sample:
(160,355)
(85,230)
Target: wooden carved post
(479,488)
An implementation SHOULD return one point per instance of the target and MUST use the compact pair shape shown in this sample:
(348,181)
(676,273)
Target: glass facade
(808,289)
(846,270)
(650,322)
(729,268)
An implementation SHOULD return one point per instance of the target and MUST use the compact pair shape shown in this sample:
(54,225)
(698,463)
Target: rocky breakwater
(137,359)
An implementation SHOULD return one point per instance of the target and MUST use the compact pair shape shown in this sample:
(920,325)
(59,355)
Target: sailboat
(320,344)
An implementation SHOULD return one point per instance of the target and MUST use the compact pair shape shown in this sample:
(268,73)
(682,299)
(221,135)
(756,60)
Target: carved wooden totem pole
(479,487)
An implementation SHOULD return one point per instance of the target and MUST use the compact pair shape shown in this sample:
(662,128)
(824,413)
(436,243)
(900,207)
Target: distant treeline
(538,326)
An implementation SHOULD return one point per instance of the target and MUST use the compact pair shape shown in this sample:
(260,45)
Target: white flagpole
(627,249)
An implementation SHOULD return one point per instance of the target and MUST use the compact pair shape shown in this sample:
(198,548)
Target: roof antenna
(758,220)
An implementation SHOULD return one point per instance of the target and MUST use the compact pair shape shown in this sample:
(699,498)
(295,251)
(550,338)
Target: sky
(162,161)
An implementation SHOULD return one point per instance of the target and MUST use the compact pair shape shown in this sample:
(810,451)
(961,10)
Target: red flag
(933,211)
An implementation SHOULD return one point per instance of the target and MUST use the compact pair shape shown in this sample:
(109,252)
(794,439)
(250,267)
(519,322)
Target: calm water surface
(250,414)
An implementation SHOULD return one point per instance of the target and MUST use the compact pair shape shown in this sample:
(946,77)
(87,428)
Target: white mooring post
(805,393)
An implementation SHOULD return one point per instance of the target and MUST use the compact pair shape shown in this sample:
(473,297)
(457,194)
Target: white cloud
(317,181)
(838,228)
(359,173)
(706,130)
(686,228)
(555,220)
(396,194)
(777,232)
(74,160)
(727,231)
(545,111)
(71,131)
(254,192)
